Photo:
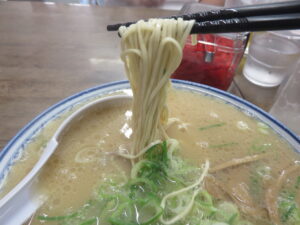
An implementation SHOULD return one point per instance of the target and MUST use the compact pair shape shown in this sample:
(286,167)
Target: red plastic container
(213,60)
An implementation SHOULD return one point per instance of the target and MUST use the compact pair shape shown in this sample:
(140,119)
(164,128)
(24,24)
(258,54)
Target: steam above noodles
(151,52)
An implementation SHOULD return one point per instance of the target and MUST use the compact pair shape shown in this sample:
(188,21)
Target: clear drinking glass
(270,60)
(287,105)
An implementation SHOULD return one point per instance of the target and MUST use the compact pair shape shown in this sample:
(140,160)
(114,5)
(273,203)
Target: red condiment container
(213,60)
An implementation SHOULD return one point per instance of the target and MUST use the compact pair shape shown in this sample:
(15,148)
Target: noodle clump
(151,52)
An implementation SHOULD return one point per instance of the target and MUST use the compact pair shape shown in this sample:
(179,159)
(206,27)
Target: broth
(207,129)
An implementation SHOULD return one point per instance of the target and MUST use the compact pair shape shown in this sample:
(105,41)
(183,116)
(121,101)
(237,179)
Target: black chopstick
(249,24)
(245,11)
(229,13)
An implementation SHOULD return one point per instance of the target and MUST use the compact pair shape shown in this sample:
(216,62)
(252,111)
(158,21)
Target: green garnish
(138,201)
(288,208)
(224,145)
(262,128)
(260,147)
(257,176)
(212,126)
(90,222)
(255,185)
(297,185)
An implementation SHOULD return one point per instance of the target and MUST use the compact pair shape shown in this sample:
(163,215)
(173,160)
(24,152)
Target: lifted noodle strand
(151,52)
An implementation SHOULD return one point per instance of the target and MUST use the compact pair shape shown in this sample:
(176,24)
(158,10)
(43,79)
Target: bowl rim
(205,89)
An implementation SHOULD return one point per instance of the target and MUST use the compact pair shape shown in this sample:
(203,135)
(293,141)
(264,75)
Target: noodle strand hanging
(151,52)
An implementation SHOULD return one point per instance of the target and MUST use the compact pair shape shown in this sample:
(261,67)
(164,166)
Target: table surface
(51,51)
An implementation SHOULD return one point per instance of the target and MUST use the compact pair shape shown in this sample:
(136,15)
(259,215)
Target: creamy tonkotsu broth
(205,129)
(82,159)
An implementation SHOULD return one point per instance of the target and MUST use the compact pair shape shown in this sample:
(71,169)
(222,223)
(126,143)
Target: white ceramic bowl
(16,146)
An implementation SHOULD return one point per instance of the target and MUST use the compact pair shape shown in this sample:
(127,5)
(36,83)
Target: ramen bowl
(16,147)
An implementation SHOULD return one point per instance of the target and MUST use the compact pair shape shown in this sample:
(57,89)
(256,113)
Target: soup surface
(246,157)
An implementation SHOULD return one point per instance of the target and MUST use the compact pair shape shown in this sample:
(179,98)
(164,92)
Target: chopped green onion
(263,128)
(258,174)
(139,201)
(227,212)
(223,145)
(212,126)
(297,185)
(90,222)
(288,208)
(260,147)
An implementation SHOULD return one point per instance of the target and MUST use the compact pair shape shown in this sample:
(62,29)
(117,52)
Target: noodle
(151,52)
(196,187)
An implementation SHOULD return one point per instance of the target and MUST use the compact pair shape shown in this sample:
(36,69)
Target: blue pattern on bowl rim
(14,148)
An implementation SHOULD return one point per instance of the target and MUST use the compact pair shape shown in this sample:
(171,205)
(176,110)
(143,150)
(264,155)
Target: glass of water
(270,60)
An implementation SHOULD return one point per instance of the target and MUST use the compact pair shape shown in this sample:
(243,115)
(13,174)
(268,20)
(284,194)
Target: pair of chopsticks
(264,17)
